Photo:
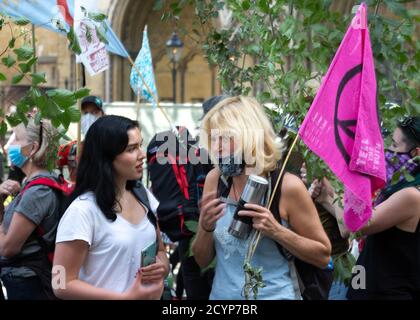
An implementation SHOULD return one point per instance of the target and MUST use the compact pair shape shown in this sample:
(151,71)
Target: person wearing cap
(390,256)
(92,110)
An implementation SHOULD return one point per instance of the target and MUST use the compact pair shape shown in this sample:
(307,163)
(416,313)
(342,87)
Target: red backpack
(63,189)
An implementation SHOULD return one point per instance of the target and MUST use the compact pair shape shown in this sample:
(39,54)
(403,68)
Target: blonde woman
(26,270)
(241,140)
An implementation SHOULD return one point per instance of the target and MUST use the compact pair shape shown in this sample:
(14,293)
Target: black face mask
(230,166)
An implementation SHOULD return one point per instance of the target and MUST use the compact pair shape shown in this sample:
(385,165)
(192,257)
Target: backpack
(314,283)
(62,189)
(178,183)
(310,281)
(41,261)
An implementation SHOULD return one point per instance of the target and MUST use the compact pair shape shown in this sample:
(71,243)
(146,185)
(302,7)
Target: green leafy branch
(57,105)
(254,281)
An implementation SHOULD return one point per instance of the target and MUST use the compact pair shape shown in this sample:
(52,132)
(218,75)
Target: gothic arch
(128,19)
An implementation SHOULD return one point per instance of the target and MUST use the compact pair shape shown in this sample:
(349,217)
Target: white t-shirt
(114,247)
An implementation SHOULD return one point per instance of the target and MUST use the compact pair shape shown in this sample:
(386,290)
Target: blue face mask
(16,157)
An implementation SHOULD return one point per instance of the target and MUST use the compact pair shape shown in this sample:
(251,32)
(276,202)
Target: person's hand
(9,187)
(141,291)
(154,272)
(322,191)
(211,211)
(262,219)
(315,189)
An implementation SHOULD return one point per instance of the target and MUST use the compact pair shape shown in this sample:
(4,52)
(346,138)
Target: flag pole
(79,106)
(273,192)
(138,104)
(149,90)
(34,46)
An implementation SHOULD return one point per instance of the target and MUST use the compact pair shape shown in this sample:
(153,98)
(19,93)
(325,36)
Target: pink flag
(342,126)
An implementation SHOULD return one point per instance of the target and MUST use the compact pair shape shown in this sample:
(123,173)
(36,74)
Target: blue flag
(45,13)
(145,66)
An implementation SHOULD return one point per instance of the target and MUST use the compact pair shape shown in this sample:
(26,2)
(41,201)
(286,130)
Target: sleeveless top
(391,259)
(229,276)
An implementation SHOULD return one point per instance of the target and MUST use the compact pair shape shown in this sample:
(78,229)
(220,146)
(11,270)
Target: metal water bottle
(254,192)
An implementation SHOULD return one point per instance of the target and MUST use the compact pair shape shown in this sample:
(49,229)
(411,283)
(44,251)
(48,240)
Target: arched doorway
(128,19)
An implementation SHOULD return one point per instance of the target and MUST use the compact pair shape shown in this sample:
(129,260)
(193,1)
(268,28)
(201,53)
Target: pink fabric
(342,125)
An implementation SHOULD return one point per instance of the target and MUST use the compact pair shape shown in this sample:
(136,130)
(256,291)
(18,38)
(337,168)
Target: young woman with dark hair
(108,223)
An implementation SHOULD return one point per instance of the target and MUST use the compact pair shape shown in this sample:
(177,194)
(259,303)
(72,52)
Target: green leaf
(64,98)
(395,177)
(101,35)
(3,128)
(191,225)
(82,92)
(38,118)
(13,120)
(2,77)
(41,102)
(22,107)
(21,21)
(98,17)
(73,113)
(52,111)
(17,78)
(246,5)
(24,67)
(55,122)
(32,61)
(407,176)
(24,53)
(264,6)
(65,119)
(12,42)
(23,118)
(8,61)
(73,42)
(397,7)
(38,78)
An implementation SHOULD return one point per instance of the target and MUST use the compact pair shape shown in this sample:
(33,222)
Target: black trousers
(197,284)
(19,288)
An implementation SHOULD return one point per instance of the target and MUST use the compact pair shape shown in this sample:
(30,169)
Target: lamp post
(174,50)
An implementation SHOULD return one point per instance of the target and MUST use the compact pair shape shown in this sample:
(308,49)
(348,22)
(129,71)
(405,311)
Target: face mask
(87,120)
(16,157)
(395,161)
(230,166)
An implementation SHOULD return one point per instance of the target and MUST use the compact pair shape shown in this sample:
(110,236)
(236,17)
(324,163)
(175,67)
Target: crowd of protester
(98,232)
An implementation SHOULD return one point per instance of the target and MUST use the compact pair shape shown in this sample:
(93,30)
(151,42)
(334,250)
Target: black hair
(106,138)
(410,126)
